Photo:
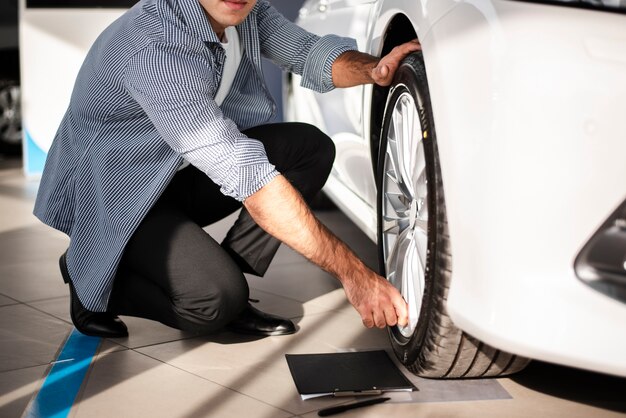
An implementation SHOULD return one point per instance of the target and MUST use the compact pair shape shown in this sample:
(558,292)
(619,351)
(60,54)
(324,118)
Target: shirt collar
(197,20)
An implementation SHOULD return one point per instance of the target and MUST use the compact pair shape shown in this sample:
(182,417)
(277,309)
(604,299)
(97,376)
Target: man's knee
(325,152)
(318,155)
(210,311)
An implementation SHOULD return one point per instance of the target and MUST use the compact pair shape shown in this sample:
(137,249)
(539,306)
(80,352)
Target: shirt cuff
(317,74)
(258,185)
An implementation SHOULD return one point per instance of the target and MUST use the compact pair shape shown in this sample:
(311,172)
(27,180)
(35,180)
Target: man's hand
(377,301)
(354,68)
(383,73)
(279,209)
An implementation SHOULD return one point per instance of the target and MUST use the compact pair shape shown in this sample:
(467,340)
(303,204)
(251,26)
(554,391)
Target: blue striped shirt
(143,101)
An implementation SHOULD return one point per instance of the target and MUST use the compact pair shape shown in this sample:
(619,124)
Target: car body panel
(527,102)
(532,155)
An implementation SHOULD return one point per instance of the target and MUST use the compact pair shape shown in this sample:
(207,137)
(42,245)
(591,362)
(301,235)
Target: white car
(492,175)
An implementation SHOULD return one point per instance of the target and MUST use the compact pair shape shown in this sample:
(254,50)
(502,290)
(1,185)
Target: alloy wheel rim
(405,207)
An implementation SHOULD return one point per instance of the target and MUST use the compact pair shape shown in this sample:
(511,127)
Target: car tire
(413,239)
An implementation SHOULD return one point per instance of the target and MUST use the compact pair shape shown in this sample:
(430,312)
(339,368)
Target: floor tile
(4,300)
(128,384)
(16,198)
(282,306)
(58,307)
(518,407)
(14,185)
(33,244)
(257,367)
(29,267)
(285,255)
(28,281)
(144,332)
(17,387)
(301,282)
(335,300)
(110,346)
(28,337)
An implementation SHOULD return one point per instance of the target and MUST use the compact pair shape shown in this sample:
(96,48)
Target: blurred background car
(10,117)
(491,174)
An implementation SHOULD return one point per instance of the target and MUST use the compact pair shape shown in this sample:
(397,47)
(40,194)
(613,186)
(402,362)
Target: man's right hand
(279,209)
(376,300)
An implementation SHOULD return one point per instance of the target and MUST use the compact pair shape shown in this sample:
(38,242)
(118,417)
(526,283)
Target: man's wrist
(353,68)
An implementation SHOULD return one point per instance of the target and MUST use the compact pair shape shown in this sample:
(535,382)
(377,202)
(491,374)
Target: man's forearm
(353,68)
(280,210)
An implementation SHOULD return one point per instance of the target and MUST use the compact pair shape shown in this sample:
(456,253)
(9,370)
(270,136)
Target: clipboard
(358,373)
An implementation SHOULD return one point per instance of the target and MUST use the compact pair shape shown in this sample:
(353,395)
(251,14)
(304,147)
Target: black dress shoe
(95,324)
(252,321)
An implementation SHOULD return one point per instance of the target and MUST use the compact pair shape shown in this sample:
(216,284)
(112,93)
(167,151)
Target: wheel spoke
(409,277)
(398,151)
(415,283)
(392,157)
(421,243)
(394,268)
(389,224)
(419,171)
(396,203)
(407,142)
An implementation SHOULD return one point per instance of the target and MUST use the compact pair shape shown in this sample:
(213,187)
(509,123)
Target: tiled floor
(161,372)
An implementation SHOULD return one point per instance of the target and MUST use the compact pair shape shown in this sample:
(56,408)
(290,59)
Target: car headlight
(609,5)
(602,262)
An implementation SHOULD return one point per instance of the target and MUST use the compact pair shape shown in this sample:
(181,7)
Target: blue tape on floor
(59,390)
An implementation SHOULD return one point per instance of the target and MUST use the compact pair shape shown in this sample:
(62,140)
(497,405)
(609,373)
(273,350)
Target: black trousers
(173,272)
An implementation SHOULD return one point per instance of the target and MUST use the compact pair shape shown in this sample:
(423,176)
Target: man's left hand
(383,73)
